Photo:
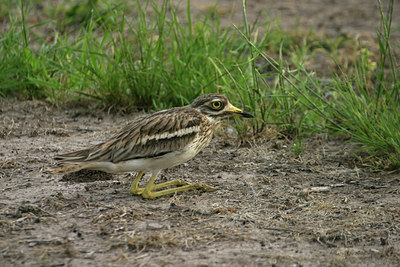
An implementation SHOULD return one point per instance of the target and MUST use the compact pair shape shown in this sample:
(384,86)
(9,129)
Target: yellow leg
(148,191)
(136,190)
(135,185)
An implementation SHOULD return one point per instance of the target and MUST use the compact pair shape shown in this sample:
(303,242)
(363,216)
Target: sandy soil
(355,18)
(272,208)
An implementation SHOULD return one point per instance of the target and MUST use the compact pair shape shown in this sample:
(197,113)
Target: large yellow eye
(217,105)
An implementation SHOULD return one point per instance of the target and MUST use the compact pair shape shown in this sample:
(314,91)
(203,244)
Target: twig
(326,243)
(279,229)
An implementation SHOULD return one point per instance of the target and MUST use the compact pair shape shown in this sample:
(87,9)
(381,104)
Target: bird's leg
(149,192)
(135,189)
(135,185)
(169,183)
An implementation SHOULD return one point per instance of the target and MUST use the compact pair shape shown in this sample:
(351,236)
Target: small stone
(154,226)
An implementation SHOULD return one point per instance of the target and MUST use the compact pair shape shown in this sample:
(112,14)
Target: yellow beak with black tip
(238,111)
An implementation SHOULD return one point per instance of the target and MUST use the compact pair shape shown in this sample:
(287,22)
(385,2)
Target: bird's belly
(157,163)
(161,162)
(165,161)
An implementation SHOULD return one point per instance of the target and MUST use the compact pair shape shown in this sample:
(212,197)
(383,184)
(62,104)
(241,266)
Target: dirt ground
(272,208)
(330,17)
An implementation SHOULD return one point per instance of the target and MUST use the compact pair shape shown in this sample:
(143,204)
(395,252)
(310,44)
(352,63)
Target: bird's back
(147,137)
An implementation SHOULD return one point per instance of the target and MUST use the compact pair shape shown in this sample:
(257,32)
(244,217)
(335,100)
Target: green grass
(363,103)
(152,62)
(368,106)
(144,56)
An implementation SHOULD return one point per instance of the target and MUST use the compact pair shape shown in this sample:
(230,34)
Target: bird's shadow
(86,176)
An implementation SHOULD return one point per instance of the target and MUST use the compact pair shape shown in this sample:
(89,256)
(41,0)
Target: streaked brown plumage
(153,142)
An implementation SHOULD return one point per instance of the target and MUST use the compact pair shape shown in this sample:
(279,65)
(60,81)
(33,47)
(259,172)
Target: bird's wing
(145,137)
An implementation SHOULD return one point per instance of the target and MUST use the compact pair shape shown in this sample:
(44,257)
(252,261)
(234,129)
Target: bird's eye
(217,105)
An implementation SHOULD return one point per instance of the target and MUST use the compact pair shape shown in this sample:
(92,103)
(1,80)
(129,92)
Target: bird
(156,141)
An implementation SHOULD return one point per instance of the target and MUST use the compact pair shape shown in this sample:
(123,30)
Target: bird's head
(217,107)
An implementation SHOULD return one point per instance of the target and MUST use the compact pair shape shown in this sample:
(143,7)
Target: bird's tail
(67,167)
(75,156)
(71,162)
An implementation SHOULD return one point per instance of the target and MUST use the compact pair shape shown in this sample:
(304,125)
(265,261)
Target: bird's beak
(238,111)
